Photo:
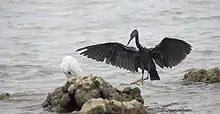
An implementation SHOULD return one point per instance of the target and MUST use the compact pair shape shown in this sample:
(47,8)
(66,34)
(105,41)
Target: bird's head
(133,34)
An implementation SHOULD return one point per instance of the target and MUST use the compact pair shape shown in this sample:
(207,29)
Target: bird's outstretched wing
(115,54)
(170,52)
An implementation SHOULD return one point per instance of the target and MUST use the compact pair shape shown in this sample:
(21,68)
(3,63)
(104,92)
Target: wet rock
(202,75)
(104,106)
(4,96)
(77,91)
(82,95)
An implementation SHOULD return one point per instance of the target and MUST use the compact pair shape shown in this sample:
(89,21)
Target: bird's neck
(137,42)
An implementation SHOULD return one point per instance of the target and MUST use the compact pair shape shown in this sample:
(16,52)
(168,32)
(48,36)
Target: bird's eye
(69,72)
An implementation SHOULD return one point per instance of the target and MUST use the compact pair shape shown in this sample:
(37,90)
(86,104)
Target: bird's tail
(154,75)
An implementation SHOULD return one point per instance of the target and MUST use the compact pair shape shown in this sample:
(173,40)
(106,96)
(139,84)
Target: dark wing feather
(115,54)
(170,52)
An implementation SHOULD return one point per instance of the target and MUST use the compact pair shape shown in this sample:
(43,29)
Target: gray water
(36,34)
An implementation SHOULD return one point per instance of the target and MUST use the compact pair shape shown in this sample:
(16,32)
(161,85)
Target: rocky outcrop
(202,75)
(98,106)
(77,92)
(4,96)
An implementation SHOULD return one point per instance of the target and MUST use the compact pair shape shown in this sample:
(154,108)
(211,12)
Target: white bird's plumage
(70,67)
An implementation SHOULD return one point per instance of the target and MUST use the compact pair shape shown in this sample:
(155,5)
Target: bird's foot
(136,82)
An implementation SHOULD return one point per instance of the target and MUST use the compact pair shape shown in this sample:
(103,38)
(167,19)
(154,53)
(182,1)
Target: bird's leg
(140,80)
(142,74)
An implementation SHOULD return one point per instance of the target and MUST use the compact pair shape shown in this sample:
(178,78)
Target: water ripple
(35,35)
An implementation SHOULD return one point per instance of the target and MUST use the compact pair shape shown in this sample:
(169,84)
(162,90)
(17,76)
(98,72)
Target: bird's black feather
(170,52)
(116,54)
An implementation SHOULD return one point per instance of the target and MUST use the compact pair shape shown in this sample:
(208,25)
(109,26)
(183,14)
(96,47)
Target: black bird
(168,53)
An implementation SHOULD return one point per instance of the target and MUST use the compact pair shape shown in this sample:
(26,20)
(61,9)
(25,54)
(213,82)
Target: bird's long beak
(133,34)
(130,40)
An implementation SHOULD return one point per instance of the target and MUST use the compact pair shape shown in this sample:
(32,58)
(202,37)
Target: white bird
(70,67)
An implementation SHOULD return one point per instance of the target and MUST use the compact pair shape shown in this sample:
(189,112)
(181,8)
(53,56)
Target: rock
(82,95)
(59,101)
(4,96)
(77,91)
(202,75)
(104,106)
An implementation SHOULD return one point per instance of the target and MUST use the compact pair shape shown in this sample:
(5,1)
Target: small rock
(4,96)
(202,75)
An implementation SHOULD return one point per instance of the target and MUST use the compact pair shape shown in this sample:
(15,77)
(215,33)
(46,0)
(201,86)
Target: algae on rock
(77,91)
(202,75)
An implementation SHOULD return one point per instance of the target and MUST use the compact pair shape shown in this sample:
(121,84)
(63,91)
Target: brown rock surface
(77,91)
